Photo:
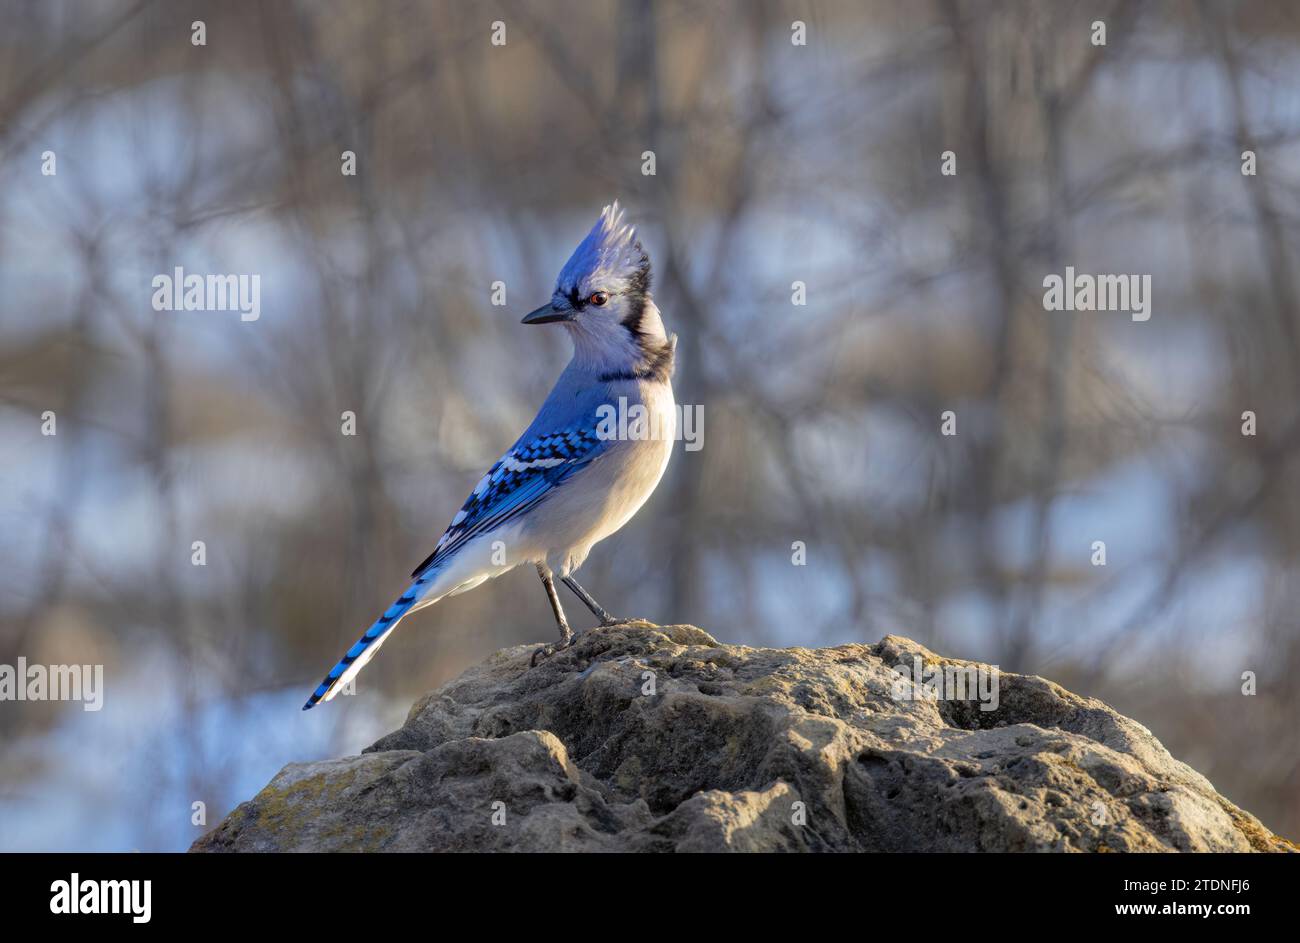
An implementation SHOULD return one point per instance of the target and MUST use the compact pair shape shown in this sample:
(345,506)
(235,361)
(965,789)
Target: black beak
(545,315)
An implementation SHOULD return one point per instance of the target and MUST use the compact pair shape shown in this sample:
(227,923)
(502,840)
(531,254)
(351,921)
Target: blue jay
(573,478)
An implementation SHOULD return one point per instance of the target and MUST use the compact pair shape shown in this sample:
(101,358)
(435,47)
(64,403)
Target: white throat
(608,346)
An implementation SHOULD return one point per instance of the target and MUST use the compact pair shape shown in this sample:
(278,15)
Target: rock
(742,749)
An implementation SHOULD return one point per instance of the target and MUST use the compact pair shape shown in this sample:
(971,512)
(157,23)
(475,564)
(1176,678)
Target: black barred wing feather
(519,481)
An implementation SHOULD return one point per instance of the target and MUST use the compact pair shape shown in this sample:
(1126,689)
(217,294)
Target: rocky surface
(649,738)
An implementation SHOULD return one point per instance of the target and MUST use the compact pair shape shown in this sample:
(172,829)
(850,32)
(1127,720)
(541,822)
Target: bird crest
(610,254)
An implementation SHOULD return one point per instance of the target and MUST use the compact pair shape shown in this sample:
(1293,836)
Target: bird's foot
(546,651)
(610,621)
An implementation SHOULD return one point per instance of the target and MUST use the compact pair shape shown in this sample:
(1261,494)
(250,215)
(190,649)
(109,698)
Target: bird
(580,471)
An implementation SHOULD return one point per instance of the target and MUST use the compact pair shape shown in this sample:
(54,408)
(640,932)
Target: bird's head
(602,296)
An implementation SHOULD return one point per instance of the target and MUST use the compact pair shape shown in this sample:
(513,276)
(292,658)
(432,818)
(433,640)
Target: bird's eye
(599,298)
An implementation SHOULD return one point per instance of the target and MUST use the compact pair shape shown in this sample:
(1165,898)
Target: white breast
(612,489)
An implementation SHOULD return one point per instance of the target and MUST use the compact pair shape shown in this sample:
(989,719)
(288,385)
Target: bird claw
(567,640)
(546,651)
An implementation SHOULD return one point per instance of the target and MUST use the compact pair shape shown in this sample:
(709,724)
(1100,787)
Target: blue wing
(533,468)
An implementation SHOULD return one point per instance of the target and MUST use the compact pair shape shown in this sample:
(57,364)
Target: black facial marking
(655,365)
(641,278)
(656,362)
(638,292)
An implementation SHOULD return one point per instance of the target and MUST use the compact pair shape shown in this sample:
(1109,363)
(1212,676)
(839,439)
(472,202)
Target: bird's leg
(566,633)
(597,610)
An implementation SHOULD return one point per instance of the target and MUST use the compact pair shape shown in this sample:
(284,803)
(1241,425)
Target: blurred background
(774,163)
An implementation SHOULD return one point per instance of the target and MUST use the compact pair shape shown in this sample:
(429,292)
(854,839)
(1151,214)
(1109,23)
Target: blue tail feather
(369,643)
